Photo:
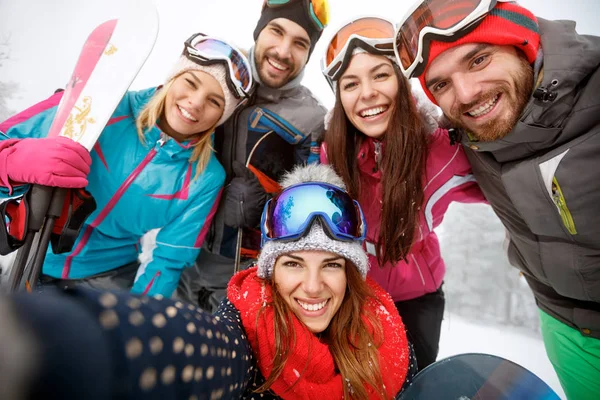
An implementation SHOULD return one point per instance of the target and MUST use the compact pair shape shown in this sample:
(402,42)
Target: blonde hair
(154,109)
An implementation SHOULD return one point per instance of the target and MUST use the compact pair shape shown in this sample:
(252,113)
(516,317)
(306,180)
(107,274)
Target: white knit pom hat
(316,239)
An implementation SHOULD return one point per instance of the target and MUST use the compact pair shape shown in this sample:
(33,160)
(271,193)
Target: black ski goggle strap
(14,214)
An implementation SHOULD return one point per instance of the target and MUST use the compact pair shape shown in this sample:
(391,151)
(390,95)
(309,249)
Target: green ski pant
(575,358)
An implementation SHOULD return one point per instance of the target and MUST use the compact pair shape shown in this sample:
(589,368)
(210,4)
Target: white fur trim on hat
(316,239)
(218,72)
(312,173)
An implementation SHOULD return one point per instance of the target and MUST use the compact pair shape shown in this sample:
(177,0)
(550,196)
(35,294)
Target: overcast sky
(45,36)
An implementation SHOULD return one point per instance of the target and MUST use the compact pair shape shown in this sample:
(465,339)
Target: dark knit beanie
(295,10)
(506,24)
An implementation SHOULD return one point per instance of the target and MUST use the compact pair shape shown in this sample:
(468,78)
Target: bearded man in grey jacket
(523,92)
(280,127)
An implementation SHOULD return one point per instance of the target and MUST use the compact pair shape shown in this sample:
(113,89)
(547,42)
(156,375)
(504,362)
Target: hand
(244,197)
(56,161)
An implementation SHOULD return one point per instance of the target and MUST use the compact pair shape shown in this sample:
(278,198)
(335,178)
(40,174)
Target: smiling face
(193,104)
(482,88)
(313,285)
(281,52)
(368,90)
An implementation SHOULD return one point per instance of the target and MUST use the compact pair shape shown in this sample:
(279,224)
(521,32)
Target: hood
(568,61)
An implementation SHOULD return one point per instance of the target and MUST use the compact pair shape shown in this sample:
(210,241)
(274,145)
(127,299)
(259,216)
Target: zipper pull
(259,114)
(377,155)
(161,141)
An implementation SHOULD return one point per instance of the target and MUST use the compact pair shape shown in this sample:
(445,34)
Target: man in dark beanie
(524,93)
(280,127)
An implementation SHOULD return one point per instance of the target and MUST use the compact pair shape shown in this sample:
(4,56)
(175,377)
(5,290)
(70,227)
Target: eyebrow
(298,258)
(464,59)
(375,68)
(300,38)
(200,83)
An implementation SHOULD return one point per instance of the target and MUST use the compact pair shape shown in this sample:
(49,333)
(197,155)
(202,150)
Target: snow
(519,345)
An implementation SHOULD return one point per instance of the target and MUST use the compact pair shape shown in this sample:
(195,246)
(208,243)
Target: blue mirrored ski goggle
(289,215)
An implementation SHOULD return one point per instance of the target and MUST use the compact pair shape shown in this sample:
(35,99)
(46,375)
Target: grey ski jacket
(543,180)
(278,129)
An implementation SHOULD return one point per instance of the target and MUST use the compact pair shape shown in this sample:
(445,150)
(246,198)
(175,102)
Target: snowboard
(477,377)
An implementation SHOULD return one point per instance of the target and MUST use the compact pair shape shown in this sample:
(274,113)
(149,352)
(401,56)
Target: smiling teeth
(372,111)
(312,307)
(483,109)
(187,115)
(277,65)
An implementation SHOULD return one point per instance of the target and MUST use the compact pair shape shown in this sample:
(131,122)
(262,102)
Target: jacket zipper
(109,206)
(561,204)
(377,154)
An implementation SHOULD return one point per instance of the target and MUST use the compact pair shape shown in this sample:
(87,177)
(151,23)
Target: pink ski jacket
(447,178)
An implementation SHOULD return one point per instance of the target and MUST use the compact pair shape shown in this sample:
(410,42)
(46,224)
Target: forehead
(313,255)
(290,28)
(362,63)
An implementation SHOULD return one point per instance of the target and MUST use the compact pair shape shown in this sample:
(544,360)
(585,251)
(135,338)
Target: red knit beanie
(506,24)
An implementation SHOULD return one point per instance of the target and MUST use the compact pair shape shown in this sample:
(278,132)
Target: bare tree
(480,284)
(7,88)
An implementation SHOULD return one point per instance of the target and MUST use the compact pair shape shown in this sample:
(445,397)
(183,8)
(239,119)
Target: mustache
(284,61)
(460,109)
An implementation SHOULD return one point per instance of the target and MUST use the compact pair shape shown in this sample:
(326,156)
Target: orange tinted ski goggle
(373,34)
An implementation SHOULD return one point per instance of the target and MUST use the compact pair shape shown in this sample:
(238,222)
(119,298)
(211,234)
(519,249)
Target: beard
(518,96)
(275,82)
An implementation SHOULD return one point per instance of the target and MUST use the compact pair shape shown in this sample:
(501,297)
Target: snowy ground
(519,345)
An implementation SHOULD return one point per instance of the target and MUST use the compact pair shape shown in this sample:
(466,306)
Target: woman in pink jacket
(404,173)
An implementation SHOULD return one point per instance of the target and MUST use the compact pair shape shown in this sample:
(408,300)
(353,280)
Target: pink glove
(56,161)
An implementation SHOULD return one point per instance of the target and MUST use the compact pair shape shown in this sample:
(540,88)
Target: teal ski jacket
(137,187)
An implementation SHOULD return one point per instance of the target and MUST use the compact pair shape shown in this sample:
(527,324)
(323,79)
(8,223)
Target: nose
(466,90)
(367,91)
(284,49)
(313,283)
(197,99)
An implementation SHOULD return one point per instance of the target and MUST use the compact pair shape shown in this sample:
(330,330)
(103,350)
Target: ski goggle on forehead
(289,215)
(440,20)
(373,34)
(318,10)
(206,50)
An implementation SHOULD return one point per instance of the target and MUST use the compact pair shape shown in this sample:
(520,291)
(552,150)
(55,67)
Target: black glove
(244,197)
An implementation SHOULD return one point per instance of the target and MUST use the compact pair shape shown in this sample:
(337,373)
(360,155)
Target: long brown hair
(353,347)
(403,166)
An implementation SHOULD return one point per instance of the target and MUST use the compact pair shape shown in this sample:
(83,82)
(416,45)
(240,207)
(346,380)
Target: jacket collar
(367,153)
(568,58)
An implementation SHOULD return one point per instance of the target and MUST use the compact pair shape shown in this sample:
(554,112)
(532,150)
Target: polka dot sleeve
(164,349)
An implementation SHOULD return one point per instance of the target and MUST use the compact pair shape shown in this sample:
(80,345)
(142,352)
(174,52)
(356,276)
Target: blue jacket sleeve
(178,243)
